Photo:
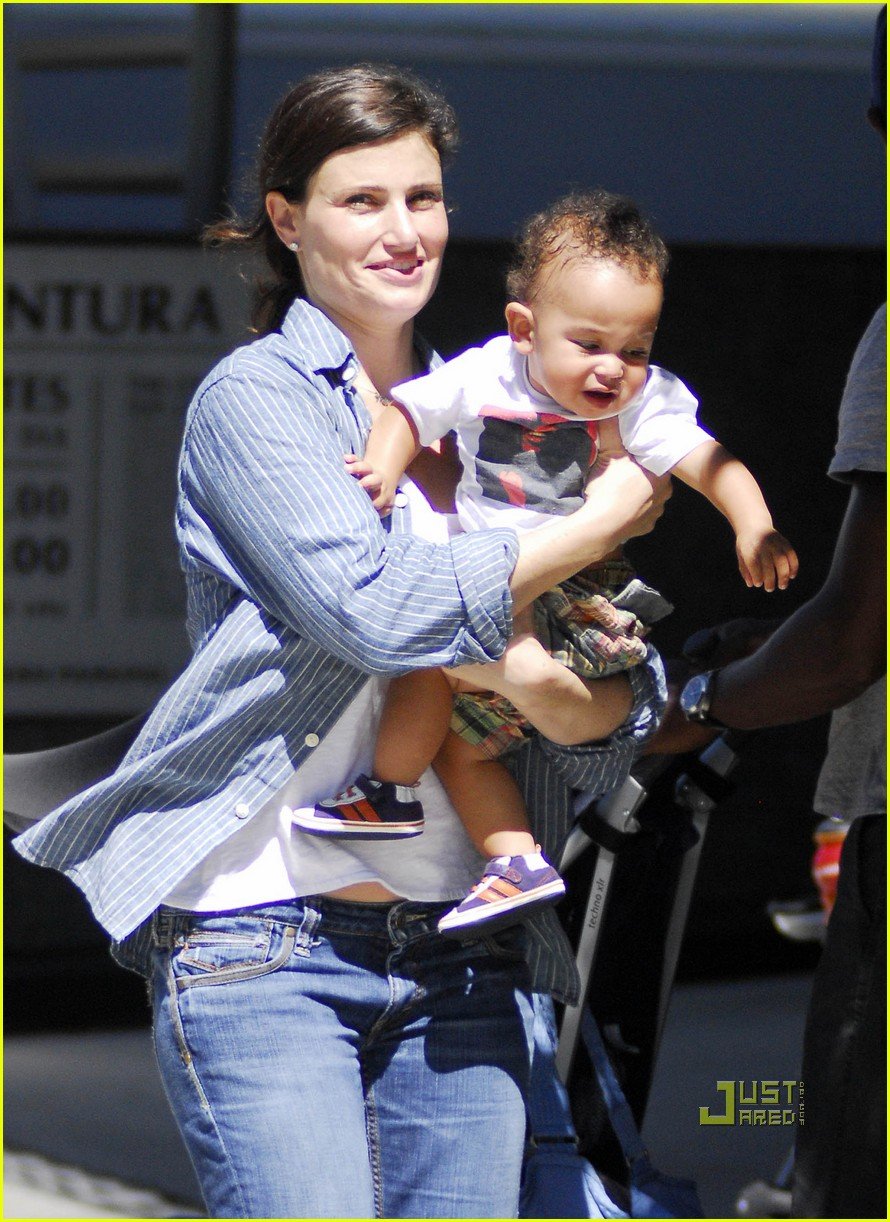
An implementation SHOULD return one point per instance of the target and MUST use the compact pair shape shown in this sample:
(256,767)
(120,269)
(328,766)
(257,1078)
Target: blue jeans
(333,1059)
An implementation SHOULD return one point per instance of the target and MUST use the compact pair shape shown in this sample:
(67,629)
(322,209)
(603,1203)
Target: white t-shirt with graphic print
(523,457)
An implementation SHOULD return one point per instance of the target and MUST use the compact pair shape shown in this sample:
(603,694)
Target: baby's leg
(517,878)
(486,797)
(413,726)
(562,706)
(384,806)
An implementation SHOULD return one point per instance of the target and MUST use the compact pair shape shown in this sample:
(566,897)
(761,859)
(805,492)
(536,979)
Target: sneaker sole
(498,915)
(356,831)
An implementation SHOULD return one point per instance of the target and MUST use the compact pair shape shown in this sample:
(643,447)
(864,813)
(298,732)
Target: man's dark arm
(834,646)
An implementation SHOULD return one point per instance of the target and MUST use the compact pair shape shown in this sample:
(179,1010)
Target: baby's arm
(392,445)
(766,558)
(609,440)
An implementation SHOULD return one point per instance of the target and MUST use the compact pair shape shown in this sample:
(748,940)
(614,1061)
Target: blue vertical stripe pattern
(297,592)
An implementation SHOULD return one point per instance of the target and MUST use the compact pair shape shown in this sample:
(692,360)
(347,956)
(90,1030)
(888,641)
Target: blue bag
(652,1193)
(557,1181)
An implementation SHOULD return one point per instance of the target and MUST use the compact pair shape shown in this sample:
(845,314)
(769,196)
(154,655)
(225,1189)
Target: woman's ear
(281,214)
(521,326)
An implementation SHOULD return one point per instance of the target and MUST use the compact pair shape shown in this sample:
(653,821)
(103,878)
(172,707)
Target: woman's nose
(400,229)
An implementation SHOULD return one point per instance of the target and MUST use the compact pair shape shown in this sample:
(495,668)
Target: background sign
(105,345)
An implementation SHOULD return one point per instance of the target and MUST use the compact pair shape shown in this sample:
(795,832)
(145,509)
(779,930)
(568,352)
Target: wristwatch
(696,697)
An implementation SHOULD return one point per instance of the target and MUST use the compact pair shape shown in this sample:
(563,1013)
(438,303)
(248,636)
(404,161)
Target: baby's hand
(374,482)
(766,559)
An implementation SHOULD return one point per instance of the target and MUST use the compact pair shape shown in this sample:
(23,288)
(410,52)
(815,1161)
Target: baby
(534,411)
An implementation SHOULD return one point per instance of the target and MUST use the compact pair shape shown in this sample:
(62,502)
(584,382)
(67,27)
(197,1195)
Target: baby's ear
(521,326)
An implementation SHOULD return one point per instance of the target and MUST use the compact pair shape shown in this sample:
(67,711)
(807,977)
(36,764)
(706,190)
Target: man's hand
(704,650)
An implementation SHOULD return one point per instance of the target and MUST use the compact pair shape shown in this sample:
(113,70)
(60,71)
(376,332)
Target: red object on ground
(829,840)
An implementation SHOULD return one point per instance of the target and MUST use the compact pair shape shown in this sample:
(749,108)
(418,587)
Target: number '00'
(27,555)
(31,500)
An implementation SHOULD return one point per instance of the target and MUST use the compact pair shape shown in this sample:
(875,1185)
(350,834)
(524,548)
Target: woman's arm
(622,501)
(766,558)
(268,504)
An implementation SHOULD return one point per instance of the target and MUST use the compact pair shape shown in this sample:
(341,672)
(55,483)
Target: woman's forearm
(270,506)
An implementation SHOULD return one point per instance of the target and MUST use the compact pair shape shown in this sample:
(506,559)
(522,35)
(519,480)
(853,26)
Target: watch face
(692,694)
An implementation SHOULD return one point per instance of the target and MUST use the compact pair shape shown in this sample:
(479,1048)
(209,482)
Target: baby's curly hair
(586,225)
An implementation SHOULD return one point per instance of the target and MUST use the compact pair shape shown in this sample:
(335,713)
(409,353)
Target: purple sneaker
(367,810)
(508,885)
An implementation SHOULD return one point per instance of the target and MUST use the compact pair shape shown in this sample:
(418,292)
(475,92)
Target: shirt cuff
(483,562)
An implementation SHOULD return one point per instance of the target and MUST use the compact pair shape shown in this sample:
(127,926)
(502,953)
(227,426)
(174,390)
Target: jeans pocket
(208,956)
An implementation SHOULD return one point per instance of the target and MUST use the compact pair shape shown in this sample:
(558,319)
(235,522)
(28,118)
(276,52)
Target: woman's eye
(425,199)
(360,201)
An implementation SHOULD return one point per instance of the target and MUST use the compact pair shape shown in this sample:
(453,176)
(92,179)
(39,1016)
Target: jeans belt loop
(164,928)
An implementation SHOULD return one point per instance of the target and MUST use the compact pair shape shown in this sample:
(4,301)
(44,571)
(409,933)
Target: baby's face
(591,332)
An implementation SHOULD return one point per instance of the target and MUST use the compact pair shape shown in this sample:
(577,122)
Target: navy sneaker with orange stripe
(510,888)
(367,810)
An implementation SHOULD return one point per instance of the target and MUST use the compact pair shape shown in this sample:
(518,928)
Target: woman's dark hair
(586,225)
(332,110)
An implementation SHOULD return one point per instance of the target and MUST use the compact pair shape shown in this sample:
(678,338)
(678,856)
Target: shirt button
(400,499)
(242,810)
(311,740)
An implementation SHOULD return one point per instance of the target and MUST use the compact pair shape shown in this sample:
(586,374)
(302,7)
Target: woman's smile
(399,270)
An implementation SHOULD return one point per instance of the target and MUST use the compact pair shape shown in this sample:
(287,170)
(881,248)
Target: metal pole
(209,146)
(19,196)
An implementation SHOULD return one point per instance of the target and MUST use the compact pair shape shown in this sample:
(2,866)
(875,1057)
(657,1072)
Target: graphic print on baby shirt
(535,460)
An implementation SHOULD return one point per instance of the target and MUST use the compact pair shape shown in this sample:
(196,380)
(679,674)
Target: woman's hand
(565,708)
(622,501)
(609,443)
(625,498)
(378,488)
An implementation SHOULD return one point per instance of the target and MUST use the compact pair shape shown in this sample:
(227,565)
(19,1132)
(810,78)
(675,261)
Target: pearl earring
(294,246)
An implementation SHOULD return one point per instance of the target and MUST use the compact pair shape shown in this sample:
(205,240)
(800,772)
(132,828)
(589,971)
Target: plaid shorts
(595,623)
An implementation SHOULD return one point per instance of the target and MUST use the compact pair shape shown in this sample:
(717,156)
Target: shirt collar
(322,344)
(326,349)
